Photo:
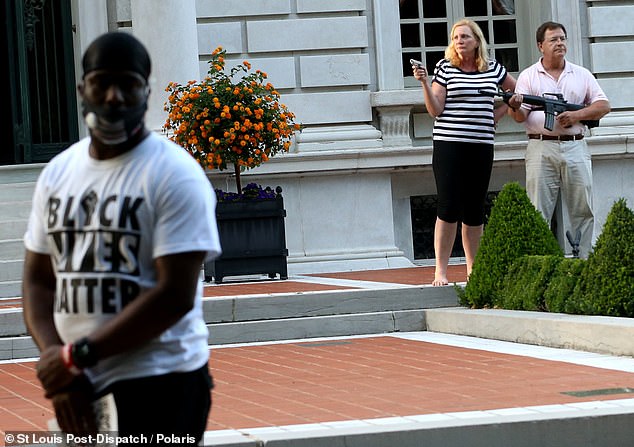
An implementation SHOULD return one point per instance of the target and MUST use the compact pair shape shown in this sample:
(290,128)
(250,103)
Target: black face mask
(114,126)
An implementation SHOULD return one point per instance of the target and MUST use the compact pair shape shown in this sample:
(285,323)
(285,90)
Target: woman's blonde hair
(482,52)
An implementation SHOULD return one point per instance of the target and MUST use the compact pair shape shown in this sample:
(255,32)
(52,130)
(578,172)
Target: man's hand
(74,408)
(566,119)
(53,371)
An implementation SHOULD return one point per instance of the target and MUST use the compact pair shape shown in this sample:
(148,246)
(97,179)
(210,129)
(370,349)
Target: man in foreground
(120,226)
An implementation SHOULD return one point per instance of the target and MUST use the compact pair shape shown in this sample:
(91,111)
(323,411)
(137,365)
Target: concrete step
(285,316)
(546,426)
(16,210)
(11,249)
(592,333)
(10,289)
(16,192)
(11,270)
(12,229)
(20,173)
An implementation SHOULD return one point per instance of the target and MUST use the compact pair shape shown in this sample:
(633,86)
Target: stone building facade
(350,178)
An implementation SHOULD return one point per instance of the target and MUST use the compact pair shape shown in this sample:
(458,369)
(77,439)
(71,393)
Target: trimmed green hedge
(525,283)
(558,296)
(607,283)
(601,285)
(515,228)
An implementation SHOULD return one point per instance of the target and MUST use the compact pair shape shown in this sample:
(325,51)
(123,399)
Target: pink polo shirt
(576,84)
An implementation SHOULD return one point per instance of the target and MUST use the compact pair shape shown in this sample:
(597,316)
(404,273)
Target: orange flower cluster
(230,117)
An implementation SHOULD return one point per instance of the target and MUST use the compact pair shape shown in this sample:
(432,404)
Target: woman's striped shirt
(468,114)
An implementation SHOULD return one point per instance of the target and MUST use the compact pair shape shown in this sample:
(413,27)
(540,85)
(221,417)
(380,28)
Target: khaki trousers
(563,168)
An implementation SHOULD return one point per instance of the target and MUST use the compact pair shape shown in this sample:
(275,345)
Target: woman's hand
(420,73)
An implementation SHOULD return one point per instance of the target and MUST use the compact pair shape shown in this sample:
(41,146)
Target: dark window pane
(435,34)
(434,9)
(503,7)
(407,67)
(504,31)
(423,214)
(432,59)
(409,35)
(475,8)
(408,9)
(484,26)
(508,58)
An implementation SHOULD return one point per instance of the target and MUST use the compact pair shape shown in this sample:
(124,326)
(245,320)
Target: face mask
(113,126)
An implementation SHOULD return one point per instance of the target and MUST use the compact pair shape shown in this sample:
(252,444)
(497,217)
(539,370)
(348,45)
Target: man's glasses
(557,39)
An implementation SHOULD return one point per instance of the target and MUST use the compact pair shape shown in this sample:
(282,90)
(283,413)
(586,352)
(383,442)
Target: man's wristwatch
(83,354)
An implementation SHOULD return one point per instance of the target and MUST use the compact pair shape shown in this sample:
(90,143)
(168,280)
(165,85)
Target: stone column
(169,33)
(387,32)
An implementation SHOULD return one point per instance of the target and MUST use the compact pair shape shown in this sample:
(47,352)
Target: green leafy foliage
(525,283)
(607,284)
(515,228)
(559,295)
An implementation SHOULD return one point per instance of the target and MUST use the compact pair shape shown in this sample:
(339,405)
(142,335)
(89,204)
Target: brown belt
(537,136)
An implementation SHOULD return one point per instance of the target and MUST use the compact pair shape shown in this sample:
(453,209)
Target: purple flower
(251,192)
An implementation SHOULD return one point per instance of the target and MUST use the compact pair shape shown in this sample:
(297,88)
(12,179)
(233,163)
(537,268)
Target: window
(425,27)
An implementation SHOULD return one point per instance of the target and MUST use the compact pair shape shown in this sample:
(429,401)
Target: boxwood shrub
(606,286)
(526,281)
(515,228)
(559,295)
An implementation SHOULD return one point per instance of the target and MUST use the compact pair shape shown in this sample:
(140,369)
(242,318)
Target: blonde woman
(463,137)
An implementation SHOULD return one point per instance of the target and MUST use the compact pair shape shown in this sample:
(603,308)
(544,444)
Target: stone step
(16,192)
(11,249)
(11,270)
(285,316)
(12,229)
(546,426)
(27,173)
(10,289)
(592,333)
(16,210)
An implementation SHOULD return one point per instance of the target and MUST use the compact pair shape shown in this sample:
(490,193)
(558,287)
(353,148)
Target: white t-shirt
(103,223)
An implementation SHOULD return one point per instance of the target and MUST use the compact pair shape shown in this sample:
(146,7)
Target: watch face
(82,354)
(84,350)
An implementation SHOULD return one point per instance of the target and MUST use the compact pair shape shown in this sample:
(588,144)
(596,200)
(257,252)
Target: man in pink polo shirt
(558,161)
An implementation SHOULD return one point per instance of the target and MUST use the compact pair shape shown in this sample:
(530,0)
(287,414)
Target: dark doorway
(41,80)
(423,210)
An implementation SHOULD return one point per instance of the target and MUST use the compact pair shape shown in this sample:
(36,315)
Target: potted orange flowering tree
(234,118)
(229,118)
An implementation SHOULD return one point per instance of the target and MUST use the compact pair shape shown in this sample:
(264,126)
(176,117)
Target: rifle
(551,103)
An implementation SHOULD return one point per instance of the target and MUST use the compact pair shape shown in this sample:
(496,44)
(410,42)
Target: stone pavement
(388,389)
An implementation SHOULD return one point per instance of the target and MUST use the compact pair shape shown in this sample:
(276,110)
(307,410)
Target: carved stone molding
(394,123)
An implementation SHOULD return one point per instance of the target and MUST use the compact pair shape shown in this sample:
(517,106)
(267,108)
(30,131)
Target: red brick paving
(407,275)
(310,382)
(347,379)
(265,287)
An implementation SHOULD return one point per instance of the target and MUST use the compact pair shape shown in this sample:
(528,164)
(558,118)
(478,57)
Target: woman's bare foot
(440,282)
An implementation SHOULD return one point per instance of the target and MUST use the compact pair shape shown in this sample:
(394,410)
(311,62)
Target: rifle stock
(551,106)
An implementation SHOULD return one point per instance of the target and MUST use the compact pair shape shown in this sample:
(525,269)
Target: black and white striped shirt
(468,114)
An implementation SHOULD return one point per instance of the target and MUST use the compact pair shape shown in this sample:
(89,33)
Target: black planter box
(253,239)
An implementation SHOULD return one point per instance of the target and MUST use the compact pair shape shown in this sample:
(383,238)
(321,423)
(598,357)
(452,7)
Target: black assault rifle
(551,103)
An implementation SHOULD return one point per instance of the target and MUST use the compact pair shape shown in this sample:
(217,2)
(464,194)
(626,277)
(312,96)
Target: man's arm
(155,309)
(594,111)
(38,296)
